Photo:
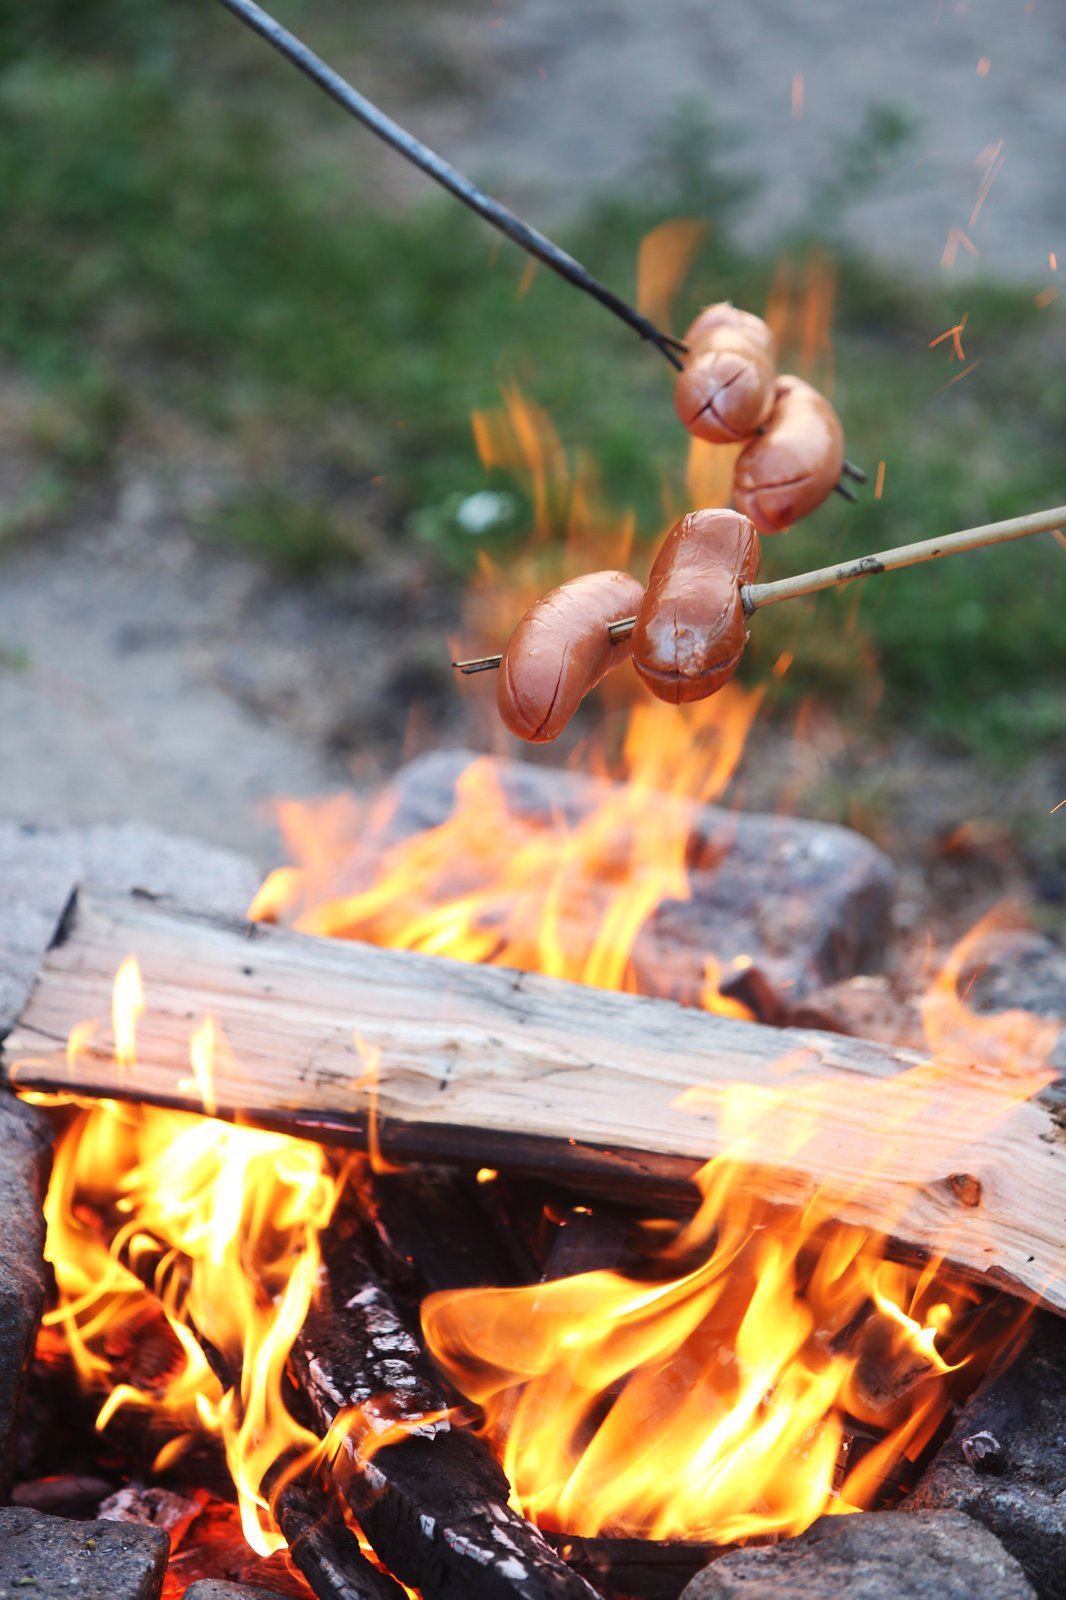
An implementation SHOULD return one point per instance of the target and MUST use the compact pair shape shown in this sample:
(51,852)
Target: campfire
(504,1204)
(501,1207)
(687,1280)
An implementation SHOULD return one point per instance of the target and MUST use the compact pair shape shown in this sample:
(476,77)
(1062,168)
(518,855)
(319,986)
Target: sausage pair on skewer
(690,630)
(688,640)
(729,391)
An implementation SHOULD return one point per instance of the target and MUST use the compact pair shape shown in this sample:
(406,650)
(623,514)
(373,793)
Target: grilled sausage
(787,471)
(560,650)
(713,319)
(691,630)
(726,389)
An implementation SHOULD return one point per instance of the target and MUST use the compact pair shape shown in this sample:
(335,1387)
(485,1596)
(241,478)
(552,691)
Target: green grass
(175,243)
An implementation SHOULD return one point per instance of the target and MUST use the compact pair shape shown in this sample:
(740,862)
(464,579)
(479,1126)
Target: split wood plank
(611,1092)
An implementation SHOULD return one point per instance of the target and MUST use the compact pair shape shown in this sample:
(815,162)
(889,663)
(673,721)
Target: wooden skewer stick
(756,595)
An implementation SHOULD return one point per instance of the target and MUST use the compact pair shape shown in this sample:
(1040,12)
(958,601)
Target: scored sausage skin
(713,319)
(691,630)
(726,389)
(789,469)
(561,650)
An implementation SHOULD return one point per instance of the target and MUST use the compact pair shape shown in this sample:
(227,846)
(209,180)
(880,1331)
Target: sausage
(726,389)
(560,650)
(713,319)
(691,630)
(787,471)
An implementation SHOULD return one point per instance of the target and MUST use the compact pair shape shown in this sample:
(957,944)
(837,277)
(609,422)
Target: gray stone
(51,1558)
(807,902)
(211,1589)
(40,866)
(25,1154)
(882,1556)
(1019,1491)
(1026,970)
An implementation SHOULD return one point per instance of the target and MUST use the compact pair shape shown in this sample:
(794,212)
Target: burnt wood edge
(324,1548)
(434,1504)
(644,1569)
(646,1176)
(657,1179)
(651,1180)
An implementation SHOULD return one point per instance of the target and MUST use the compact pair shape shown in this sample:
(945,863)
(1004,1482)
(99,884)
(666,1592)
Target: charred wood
(639,1569)
(432,1231)
(1004,1464)
(325,1549)
(433,1505)
(590,1239)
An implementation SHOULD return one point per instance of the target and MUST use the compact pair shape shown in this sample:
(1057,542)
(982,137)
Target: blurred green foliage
(180,238)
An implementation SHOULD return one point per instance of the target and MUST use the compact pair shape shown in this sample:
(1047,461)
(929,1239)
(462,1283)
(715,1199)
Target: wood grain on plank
(501,1068)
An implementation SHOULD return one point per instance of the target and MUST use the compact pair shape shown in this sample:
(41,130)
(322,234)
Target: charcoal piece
(40,866)
(69,1495)
(805,902)
(591,1239)
(434,1506)
(1024,1501)
(324,1549)
(45,1556)
(25,1154)
(153,1507)
(433,1233)
(884,1556)
(214,1589)
(636,1569)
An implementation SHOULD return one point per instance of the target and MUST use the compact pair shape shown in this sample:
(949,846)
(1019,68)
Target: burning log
(593,1089)
(433,1504)
(433,1232)
(325,1549)
(644,1569)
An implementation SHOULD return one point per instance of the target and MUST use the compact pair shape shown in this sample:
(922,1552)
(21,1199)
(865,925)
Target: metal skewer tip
(478,664)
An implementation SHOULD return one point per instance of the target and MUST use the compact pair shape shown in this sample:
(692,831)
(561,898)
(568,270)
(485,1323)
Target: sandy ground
(564,99)
(143,678)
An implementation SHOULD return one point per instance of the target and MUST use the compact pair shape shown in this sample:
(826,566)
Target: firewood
(434,1504)
(590,1239)
(432,1232)
(324,1549)
(596,1090)
(639,1569)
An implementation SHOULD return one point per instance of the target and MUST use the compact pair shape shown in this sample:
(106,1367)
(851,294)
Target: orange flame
(127,1006)
(726,1401)
(192,1230)
(490,885)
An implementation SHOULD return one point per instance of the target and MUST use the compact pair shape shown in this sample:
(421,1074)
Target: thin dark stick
(527,238)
